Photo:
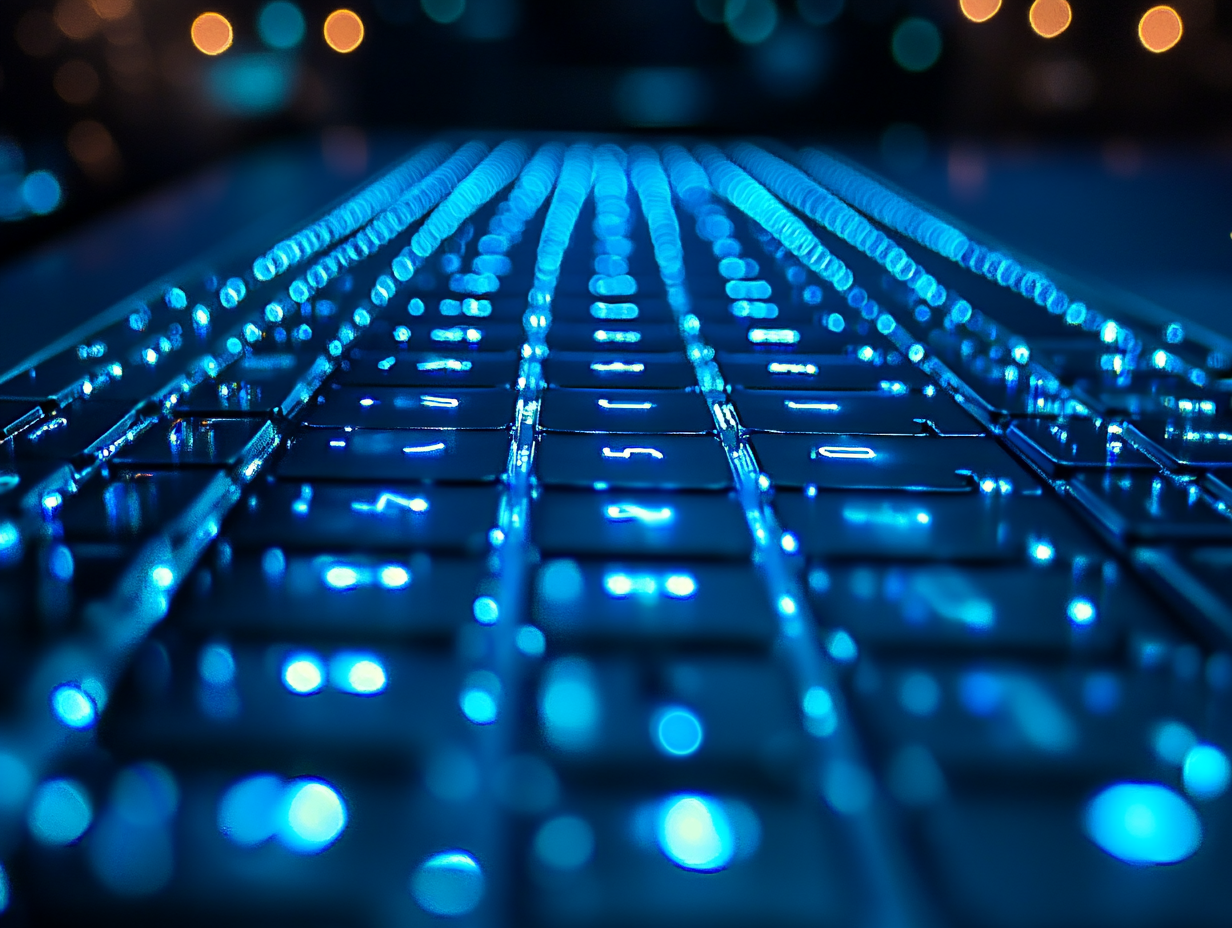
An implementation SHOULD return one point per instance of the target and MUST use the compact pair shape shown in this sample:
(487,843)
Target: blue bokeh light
(314,816)
(60,812)
(281,24)
(73,706)
(1143,823)
(695,833)
(448,884)
(248,811)
(677,731)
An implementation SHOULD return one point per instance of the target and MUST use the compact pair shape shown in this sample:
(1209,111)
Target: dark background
(1045,142)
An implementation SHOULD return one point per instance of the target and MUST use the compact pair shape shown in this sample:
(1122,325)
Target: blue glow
(248,811)
(252,84)
(341,577)
(361,674)
(680,586)
(280,24)
(820,716)
(916,44)
(448,884)
(531,641)
(41,192)
(695,833)
(216,665)
(566,843)
(569,707)
(1080,611)
(1043,551)
(1206,772)
(485,610)
(163,577)
(314,816)
(73,707)
(393,502)
(394,577)
(479,699)
(1143,823)
(630,512)
(59,812)
(677,732)
(303,674)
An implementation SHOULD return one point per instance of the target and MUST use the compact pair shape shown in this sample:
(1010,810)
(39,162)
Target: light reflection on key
(627,453)
(814,407)
(846,454)
(621,367)
(609,404)
(391,501)
(423,449)
(630,512)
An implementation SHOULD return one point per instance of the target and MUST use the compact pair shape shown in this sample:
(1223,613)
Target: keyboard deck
(572,533)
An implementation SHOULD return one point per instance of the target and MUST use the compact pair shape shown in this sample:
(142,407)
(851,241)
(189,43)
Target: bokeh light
(916,44)
(444,11)
(820,12)
(448,884)
(979,11)
(76,82)
(344,31)
(1049,18)
(751,21)
(212,33)
(1160,28)
(280,24)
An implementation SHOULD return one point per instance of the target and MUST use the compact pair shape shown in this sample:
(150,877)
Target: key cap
(819,372)
(293,701)
(1013,528)
(1043,611)
(642,309)
(446,334)
(797,875)
(625,411)
(340,517)
(392,368)
(994,852)
(389,408)
(340,597)
(131,505)
(641,523)
(192,442)
(779,336)
(851,413)
(874,462)
(602,371)
(252,386)
(1189,443)
(1144,507)
(18,415)
(618,603)
(661,461)
(607,336)
(404,454)
(1061,445)
(1142,394)
(1198,577)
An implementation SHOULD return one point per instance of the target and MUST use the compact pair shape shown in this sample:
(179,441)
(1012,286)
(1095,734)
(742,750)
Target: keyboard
(581,533)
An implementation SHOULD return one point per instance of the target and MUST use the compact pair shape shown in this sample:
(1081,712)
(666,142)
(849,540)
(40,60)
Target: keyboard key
(977,527)
(613,336)
(406,701)
(796,874)
(614,603)
(252,386)
(819,372)
(661,461)
(1190,443)
(600,371)
(993,853)
(641,523)
(852,413)
(339,517)
(404,454)
(1061,445)
(875,462)
(70,430)
(445,334)
(398,368)
(18,415)
(192,442)
(779,337)
(337,597)
(1144,507)
(389,408)
(1040,610)
(625,411)
(130,506)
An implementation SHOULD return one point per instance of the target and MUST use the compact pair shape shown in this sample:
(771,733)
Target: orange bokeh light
(979,11)
(1160,28)
(212,33)
(1050,18)
(344,31)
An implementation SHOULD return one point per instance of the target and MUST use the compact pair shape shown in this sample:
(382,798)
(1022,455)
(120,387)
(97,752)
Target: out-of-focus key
(1140,506)
(185,442)
(399,368)
(1061,445)
(819,372)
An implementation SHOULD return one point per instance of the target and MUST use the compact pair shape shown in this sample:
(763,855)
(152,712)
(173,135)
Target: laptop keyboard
(582,534)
